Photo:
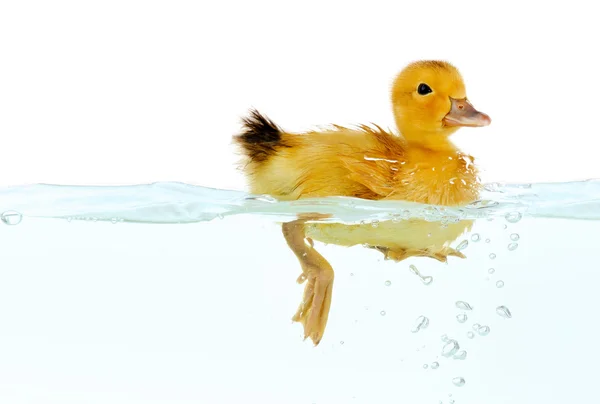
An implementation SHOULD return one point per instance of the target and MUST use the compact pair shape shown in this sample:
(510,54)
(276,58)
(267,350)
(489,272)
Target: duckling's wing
(378,167)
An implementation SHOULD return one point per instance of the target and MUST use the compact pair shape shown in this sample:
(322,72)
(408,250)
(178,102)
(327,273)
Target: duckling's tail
(260,137)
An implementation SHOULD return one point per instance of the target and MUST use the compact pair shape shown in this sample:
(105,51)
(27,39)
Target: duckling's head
(430,103)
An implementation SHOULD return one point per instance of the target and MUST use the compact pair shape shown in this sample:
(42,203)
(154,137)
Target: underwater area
(170,292)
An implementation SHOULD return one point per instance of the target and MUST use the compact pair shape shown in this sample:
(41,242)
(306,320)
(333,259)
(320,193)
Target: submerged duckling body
(419,165)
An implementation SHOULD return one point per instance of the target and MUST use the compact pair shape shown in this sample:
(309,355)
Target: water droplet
(487,240)
(458,381)
(475,237)
(463,305)
(461,355)
(425,366)
(463,244)
(461,318)
(388,283)
(500,284)
(11,217)
(262,198)
(512,246)
(382,312)
(450,348)
(421,323)
(492,256)
(470,335)
(427,280)
(503,311)
(435,365)
(491,271)
(515,237)
(375,223)
(483,330)
(513,217)
(481,204)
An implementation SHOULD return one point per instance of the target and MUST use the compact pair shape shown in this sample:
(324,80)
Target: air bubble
(512,246)
(491,271)
(461,355)
(513,217)
(475,237)
(375,223)
(492,256)
(515,237)
(114,220)
(470,335)
(435,365)
(425,366)
(450,349)
(500,284)
(461,318)
(421,323)
(458,381)
(388,283)
(463,305)
(503,311)
(382,312)
(487,240)
(11,217)
(425,279)
(483,330)
(463,244)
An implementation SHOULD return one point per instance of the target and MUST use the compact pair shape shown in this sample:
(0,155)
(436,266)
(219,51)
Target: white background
(121,92)
(124,92)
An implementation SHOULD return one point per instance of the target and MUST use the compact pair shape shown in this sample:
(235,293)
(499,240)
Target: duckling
(420,164)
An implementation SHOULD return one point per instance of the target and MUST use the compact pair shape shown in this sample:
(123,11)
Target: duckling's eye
(424,89)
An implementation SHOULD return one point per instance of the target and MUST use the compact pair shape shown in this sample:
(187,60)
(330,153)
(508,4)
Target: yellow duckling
(421,165)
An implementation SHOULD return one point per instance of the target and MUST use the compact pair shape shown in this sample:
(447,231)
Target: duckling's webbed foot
(313,311)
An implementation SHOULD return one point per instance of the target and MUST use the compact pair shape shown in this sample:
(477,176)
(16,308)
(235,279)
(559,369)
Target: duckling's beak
(462,113)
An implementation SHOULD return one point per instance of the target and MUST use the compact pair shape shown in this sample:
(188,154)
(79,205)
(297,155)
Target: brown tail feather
(260,137)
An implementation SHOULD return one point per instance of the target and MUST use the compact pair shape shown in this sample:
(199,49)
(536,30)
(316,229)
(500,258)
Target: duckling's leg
(314,309)
(400,254)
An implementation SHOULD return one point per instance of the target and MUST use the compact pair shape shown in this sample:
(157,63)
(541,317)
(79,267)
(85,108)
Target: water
(93,289)
(172,202)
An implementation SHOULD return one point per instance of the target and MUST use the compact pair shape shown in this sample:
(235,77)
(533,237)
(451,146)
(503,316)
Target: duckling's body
(421,165)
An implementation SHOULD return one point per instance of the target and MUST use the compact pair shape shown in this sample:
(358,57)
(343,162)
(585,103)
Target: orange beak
(462,113)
